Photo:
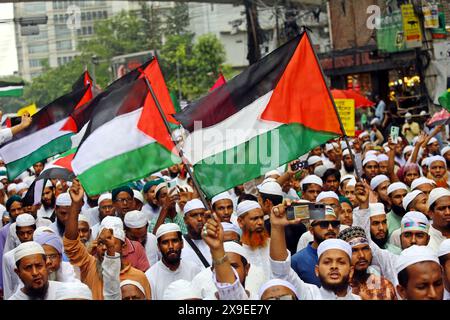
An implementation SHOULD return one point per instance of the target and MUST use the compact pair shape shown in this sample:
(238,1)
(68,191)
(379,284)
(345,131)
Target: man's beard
(51,205)
(173,174)
(349,168)
(196,233)
(336,287)
(319,239)
(442,182)
(380,242)
(154,206)
(398,210)
(92,202)
(255,239)
(39,293)
(172,260)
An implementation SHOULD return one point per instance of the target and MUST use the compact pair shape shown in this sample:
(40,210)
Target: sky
(8,54)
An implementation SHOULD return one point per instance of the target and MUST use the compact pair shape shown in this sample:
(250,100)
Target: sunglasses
(326,224)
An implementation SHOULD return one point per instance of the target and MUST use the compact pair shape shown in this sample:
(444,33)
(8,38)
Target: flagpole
(179,150)
(358,174)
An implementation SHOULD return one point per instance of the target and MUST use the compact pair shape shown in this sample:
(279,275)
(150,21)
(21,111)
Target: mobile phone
(394,133)
(306,211)
(299,165)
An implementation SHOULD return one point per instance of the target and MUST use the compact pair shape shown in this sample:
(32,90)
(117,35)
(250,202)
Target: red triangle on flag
(219,82)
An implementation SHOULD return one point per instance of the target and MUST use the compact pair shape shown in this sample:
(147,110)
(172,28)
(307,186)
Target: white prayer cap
(133,283)
(346,152)
(320,170)
(377,180)
(436,158)
(270,187)
(25,220)
(408,115)
(375,121)
(104,196)
(432,140)
(272,173)
(363,134)
(230,227)
(82,217)
(382,157)
(3,177)
(422,180)
(327,194)
(167,228)
(27,249)
(372,153)
(21,186)
(41,230)
(369,158)
(73,290)
(221,196)
(64,200)
(312,178)
(413,255)
(181,290)
(135,219)
(396,186)
(193,204)
(245,206)
(408,149)
(111,222)
(376,209)
(445,150)
(117,232)
(160,186)
(313,160)
(425,162)
(414,221)
(137,195)
(277,282)
(330,146)
(410,197)
(423,113)
(334,244)
(48,184)
(233,247)
(2,186)
(346,177)
(444,248)
(436,194)
(11,187)
(352,182)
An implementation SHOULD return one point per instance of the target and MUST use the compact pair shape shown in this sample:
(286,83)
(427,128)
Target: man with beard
(382,160)
(437,171)
(84,229)
(136,225)
(109,246)
(333,268)
(62,209)
(151,208)
(305,260)
(171,267)
(419,275)
(423,184)
(439,201)
(32,270)
(396,192)
(379,228)
(311,187)
(255,238)
(105,209)
(123,200)
(48,202)
(348,166)
(364,284)
(379,184)
(370,167)
(195,248)
(331,179)
(222,205)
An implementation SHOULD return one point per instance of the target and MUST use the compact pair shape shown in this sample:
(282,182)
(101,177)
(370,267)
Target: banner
(431,16)
(411,27)
(346,110)
(31,109)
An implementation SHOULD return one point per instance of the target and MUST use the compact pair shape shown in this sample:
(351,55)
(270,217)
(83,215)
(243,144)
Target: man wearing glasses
(123,200)
(304,261)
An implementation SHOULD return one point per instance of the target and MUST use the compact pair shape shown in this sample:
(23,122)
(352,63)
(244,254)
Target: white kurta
(436,238)
(51,292)
(189,254)
(260,258)
(42,213)
(12,241)
(92,215)
(160,277)
(150,213)
(151,249)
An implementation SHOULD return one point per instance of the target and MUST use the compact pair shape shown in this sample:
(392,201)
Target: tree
(177,19)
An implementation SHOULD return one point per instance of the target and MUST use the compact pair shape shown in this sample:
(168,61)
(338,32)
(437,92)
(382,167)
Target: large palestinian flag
(49,133)
(275,111)
(125,139)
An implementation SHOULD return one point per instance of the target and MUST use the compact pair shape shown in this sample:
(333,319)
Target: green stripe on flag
(61,144)
(11,92)
(127,167)
(215,175)
(444,100)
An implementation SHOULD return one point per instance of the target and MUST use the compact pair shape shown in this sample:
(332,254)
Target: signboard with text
(411,27)
(346,110)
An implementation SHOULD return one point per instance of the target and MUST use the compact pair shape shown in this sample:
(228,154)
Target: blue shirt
(304,263)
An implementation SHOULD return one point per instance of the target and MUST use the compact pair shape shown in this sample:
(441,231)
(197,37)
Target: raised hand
(212,233)
(362,191)
(278,216)
(26,120)
(76,192)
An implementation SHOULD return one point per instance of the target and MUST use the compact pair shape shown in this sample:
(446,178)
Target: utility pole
(253,32)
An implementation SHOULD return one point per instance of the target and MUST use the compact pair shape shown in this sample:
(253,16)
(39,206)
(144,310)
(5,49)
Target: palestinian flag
(126,139)
(219,82)
(8,89)
(444,100)
(275,111)
(49,134)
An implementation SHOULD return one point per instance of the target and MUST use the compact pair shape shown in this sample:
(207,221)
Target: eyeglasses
(326,224)
(123,200)
(285,297)
(52,257)
(106,207)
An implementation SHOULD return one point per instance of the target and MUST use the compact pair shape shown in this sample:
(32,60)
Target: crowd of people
(382,231)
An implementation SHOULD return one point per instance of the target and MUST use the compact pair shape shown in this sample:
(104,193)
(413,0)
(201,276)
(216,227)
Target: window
(35,63)
(89,30)
(88,16)
(83,16)
(59,61)
(43,35)
(94,15)
(64,45)
(34,7)
(38,48)
(62,31)
(105,15)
